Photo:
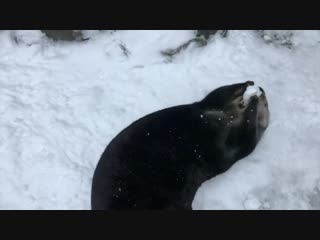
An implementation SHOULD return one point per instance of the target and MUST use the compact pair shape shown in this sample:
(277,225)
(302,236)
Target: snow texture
(251,91)
(63,102)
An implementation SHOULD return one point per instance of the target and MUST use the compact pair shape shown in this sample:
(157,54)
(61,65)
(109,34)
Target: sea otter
(160,160)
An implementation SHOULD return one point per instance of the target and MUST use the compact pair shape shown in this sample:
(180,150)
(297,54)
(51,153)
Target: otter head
(244,121)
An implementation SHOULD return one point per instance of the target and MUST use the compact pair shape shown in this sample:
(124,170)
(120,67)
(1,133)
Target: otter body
(160,160)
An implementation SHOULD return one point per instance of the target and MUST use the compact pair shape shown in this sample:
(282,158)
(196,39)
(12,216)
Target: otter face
(255,111)
(241,123)
(227,103)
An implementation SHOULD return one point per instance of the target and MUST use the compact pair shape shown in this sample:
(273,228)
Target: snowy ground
(61,103)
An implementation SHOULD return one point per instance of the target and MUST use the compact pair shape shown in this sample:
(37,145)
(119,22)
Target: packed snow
(251,91)
(63,102)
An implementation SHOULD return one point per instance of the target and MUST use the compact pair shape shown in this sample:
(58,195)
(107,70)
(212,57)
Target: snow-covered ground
(62,102)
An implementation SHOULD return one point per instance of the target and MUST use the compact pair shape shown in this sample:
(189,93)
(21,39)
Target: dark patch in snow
(124,49)
(208,33)
(170,53)
(64,35)
(201,40)
(277,38)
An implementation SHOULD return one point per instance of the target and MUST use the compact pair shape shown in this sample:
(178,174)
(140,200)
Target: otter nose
(249,83)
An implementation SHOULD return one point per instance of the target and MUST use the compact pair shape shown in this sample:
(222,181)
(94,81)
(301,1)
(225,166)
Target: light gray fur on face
(263,112)
(263,115)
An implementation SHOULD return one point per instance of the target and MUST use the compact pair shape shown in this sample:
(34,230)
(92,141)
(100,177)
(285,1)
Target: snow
(63,102)
(251,91)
